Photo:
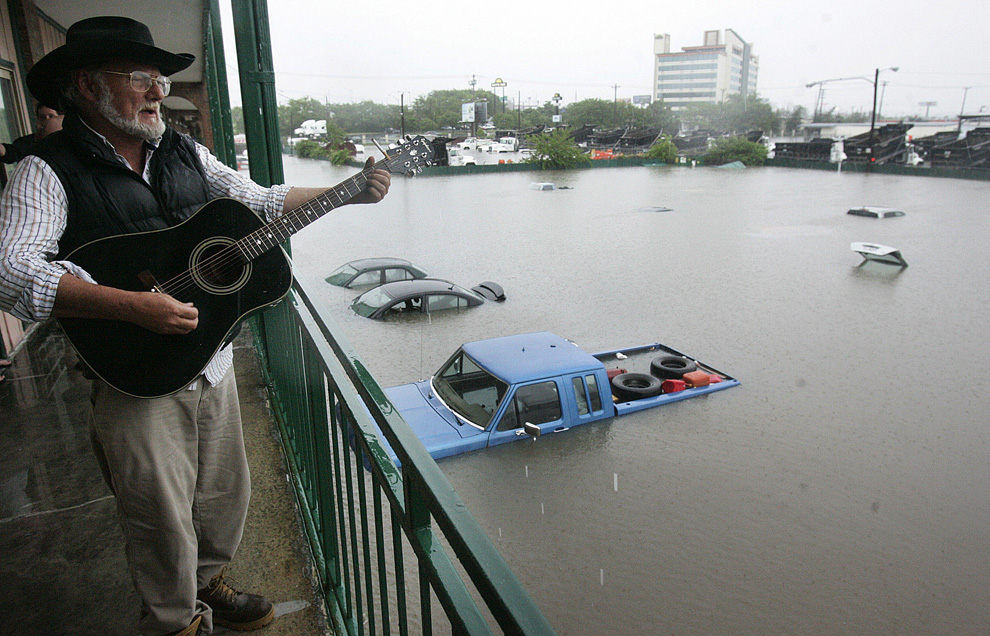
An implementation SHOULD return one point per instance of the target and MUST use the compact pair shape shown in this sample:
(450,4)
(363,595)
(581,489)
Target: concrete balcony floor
(61,548)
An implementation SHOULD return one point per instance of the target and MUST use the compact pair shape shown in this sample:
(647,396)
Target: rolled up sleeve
(226,182)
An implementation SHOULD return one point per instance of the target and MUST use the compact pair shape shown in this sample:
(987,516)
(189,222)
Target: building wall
(703,74)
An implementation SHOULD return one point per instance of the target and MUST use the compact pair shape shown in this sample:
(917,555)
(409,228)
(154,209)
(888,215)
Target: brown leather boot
(192,630)
(236,610)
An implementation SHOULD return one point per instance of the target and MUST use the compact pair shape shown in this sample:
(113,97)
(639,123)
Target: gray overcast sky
(353,51)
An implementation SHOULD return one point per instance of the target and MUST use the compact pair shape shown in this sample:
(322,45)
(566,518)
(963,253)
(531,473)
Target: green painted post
(257,75)
(216,78)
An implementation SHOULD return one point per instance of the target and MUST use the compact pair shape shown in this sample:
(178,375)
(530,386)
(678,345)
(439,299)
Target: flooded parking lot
(842,489)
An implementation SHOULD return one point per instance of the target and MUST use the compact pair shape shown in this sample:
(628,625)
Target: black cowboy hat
(96,40)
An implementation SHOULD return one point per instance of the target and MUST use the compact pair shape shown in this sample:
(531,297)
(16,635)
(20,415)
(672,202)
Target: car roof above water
(372,263)
(401,288)
(530,356)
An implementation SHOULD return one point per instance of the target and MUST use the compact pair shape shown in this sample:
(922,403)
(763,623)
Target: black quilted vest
(106,198)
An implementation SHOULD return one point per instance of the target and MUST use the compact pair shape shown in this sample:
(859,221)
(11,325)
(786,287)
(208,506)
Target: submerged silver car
(371,272)
(425,295)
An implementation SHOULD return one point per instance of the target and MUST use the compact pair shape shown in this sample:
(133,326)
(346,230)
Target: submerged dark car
(425,295)
(371,272)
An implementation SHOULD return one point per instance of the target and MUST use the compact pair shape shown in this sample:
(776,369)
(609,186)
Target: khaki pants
(178,470)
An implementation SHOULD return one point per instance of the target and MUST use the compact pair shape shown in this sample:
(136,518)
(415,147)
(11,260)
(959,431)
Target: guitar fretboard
(278,231)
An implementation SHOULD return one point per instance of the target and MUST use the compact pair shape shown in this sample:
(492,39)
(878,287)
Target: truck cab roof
(530,356)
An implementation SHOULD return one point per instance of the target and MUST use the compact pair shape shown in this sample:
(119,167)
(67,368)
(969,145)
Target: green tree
(734,115)
(605,114)
(664,150)
(525,118)
(366,116)
(442,109)
(791,121)
(311,150)
(556,151)
(292,114)
(237,119)
(729,149)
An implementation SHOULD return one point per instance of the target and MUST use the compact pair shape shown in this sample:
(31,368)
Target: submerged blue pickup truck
(503,389)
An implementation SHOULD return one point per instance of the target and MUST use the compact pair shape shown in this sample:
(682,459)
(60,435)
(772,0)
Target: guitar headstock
(410,156)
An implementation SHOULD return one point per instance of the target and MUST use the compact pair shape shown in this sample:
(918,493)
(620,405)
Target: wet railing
(396,551)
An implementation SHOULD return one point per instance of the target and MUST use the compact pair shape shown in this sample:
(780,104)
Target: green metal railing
(387,542)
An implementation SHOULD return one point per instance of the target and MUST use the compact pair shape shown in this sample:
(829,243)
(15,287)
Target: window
(371,277)
(469,390)
(440,302)
(579,396)
(8,108)
(533,403)
(583,393)
(394,274)
(596,396)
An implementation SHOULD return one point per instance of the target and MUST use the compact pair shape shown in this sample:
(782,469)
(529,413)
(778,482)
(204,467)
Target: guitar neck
(278,231)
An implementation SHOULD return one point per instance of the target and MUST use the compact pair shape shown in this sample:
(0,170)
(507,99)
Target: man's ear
(86,85)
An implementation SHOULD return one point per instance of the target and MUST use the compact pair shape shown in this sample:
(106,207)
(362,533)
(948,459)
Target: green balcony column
(252,37)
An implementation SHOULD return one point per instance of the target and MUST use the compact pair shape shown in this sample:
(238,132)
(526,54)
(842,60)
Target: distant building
(705,74)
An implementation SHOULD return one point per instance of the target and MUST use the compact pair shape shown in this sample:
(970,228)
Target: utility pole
(873,115)
(962,109)
(883,89)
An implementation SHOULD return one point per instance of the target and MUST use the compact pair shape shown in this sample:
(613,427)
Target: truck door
(537,403)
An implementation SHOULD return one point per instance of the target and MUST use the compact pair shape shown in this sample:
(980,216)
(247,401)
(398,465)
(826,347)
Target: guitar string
(235,255)
(230,257)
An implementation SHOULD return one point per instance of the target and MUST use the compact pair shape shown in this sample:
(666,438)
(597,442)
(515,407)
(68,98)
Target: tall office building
(705,74)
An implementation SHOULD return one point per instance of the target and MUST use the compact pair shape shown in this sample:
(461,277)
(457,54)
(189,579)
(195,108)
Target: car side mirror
(532,430)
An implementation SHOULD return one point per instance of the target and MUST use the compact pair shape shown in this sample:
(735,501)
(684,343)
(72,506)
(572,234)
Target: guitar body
(196,261)
(223,259)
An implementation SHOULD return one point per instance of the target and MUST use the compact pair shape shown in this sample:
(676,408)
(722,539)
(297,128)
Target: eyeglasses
(142,82)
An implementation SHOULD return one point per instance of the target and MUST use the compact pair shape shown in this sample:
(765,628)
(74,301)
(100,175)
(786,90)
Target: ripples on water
(842,489)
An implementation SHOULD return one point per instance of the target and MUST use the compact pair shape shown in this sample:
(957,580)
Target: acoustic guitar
(224,259)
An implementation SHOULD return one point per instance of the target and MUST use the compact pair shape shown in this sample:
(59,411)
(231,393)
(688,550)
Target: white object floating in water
(875,212)
(879,253)
(543,185)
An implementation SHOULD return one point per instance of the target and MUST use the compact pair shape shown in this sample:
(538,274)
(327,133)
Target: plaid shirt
(33,213)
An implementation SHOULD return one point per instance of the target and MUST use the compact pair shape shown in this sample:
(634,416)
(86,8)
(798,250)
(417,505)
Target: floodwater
(841,489)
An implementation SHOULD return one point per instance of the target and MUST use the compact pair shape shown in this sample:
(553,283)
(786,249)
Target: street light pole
(873,115)
(876,80)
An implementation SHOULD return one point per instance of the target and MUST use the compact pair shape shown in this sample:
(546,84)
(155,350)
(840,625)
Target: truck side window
(596,396)
(579,396)
(533,403)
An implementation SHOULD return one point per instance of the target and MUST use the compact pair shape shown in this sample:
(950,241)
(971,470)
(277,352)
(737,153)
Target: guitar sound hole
(217,267)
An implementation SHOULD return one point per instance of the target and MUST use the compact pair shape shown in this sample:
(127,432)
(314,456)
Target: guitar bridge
(148,280)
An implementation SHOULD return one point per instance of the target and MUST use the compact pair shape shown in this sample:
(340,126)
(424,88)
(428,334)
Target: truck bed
(637,360)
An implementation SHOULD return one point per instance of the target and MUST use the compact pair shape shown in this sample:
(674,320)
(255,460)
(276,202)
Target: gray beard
(134,126)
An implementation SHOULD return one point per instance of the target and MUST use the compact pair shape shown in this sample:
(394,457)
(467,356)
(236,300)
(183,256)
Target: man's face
(48,121)
(131,111)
